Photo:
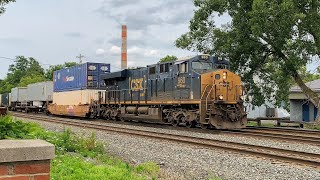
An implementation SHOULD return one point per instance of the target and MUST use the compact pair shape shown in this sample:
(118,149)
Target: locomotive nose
(221,86)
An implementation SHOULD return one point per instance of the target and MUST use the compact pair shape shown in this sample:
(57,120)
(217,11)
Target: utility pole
(80,58)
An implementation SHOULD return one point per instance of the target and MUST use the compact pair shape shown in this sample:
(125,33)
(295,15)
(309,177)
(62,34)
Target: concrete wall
(260,111)
(296,110)
(25,159)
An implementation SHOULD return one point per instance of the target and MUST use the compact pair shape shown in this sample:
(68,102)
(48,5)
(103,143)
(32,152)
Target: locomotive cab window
(201,65)
(164,67)
(152,70)
(183,67)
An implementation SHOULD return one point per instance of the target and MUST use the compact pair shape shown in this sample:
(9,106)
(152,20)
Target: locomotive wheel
(204,126)
(107,115)
(123,119)
(175,123)
(191,124)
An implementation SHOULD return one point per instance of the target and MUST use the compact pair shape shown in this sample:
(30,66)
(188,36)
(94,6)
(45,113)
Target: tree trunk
(311,95)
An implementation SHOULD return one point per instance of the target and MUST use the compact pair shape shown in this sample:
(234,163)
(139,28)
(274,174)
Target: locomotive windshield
(201,65)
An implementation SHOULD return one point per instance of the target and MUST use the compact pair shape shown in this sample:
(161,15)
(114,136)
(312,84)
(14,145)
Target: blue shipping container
(82,76)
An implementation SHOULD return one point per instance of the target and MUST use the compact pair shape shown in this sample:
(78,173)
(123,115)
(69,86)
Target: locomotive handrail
(208,96)
(204,91)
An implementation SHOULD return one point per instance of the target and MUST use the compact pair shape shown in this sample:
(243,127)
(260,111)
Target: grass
(263,124)
(77,157)
(312,126)
(76,167)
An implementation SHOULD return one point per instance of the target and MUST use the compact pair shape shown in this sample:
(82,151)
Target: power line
(11,59)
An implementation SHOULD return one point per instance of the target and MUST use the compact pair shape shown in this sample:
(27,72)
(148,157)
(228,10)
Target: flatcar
(195,91)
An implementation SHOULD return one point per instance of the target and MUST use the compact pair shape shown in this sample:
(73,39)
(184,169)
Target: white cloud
(152,52)
(115,50)
(135,50)
(100,51)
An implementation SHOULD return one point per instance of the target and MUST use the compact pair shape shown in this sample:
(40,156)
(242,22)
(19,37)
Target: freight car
(18,98)
(5,100)
(195,91)
(76,88)
(33,98)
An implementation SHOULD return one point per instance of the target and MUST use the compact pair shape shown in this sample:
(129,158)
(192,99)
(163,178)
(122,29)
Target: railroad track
(278,135)
(301,132)
(288,156)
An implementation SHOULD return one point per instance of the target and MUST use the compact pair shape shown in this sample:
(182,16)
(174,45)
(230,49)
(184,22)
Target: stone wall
(25,159)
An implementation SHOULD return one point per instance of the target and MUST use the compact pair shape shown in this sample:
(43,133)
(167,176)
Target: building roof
(314,85)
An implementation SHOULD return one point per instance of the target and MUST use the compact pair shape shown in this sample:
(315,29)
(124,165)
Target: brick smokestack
(124,57)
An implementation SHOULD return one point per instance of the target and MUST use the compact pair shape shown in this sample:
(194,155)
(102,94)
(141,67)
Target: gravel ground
(233,138)
(180,161)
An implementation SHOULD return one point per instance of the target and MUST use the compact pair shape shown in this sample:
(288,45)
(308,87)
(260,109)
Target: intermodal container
(19,94)
(77,97)
(41,91)
(5,99)
(80,77)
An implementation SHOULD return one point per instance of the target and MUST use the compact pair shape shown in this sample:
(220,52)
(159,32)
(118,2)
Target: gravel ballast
(180,161)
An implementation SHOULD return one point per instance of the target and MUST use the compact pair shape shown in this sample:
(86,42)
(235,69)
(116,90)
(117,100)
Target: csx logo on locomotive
(137,84)
(181,82)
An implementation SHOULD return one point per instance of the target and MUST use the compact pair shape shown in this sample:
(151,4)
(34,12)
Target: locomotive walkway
(284,155)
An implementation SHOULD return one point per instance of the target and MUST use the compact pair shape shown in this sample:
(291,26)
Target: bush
(10,129)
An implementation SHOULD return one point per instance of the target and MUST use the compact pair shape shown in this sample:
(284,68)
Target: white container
(42,91)
(79,97)
(19,94)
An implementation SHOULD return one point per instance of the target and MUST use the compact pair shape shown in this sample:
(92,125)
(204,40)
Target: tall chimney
(124,58)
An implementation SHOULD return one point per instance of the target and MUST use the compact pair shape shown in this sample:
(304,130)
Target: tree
(23,72)
(49,72)
(30,79)
(168,58)
(3,3)
(267,42)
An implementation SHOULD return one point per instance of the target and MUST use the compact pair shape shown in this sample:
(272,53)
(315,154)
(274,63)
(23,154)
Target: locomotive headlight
(224,75)
(221,97)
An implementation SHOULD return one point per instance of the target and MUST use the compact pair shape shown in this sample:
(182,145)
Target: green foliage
(308,76)
(76,167)
(3,3)
(168,58)
(312,126)
(49,72)
(23,72)
(10,129)
(77,157)
(267,42)
(30,80)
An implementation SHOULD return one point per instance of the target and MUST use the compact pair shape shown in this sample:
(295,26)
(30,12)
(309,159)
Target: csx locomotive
(196,91)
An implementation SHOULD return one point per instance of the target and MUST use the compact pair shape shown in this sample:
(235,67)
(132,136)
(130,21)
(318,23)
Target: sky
(57,31)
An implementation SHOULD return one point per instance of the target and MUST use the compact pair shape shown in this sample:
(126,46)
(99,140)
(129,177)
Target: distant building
(301,109)
(267,110)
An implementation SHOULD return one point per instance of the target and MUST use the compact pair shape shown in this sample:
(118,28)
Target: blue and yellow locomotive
(196,91)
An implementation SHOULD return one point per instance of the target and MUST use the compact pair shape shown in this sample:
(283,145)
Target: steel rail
(284,129)
(278,136)
(298,157)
